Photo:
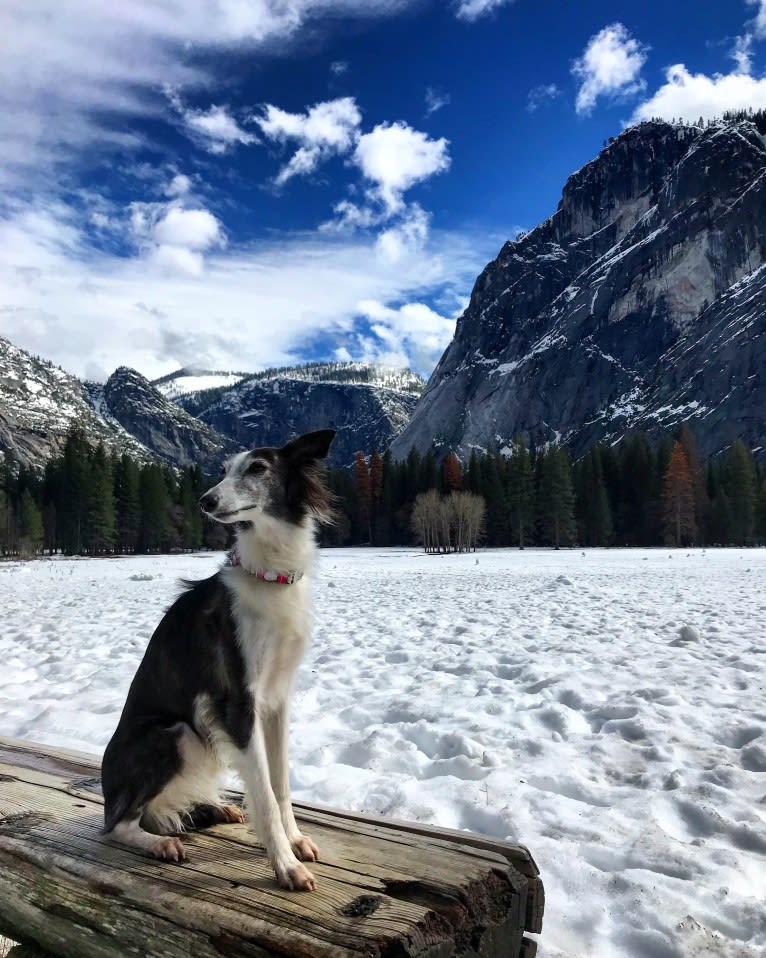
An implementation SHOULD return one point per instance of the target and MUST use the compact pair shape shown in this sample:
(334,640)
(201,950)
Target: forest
(632,493)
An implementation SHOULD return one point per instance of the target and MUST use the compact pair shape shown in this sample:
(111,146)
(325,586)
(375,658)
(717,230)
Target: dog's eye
(255,468)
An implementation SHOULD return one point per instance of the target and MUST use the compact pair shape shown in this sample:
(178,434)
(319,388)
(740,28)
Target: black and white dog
(214,685)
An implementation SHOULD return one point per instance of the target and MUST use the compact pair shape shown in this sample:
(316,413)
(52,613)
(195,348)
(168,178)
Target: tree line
(88,502)
(632,493)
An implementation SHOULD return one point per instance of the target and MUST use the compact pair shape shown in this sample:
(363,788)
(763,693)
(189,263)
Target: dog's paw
(304,849)
(295,877)
(169,849)
(232,815)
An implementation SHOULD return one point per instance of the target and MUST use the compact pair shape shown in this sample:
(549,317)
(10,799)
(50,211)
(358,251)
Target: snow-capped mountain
(39,403)
(640,304)
(368,405)
(163,427)
(187,381)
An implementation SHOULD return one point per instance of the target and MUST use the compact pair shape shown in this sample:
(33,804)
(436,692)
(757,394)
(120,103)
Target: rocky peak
(571,324)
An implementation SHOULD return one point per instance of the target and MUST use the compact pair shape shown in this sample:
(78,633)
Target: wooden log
(385,889)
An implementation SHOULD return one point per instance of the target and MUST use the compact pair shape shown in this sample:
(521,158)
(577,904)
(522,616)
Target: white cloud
(197,229)
(338,67)
(407,237)
(179,185)
(72,74)
(394,157)
(540,95)
(173,237)
(689,96)
(251,306)
(742,54)
(412,334)
(324,130)
(610,66)
(435,100)
(473,9)
(759,23)
(215,129)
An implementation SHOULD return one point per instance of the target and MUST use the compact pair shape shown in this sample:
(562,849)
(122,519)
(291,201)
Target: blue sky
(242,183)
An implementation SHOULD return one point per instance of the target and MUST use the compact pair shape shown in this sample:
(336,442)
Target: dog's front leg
(253,766)
(276,725)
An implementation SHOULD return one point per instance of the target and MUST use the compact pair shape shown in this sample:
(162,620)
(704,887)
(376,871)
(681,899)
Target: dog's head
(281,483)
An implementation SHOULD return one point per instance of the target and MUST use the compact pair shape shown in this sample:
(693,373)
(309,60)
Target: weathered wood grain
(386,890)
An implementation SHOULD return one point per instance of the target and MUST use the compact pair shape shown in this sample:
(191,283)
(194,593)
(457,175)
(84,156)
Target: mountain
(39,403)
(186,381)
(639,304)
(159,424)
(367,404)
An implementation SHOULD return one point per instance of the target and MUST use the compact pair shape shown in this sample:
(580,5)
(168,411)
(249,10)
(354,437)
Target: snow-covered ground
(604,708)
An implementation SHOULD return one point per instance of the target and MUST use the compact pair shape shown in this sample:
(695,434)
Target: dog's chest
(273,629)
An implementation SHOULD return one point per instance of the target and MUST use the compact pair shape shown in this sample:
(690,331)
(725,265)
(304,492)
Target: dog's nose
(209,501)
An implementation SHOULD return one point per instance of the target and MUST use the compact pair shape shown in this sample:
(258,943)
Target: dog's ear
(309,447)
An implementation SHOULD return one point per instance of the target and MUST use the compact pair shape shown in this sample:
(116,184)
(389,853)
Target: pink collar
(233,558)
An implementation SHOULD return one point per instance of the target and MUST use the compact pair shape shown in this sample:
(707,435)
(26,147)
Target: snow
(604,708)
(184,385)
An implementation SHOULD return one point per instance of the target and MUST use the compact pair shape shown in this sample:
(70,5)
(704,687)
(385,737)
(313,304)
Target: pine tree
(126,477)
(472,479)
(6,519)
(492,490)
(594,516)
(362,498)
(75,481)
(100,513)
(190,511)
(761,514)
(678,500)
(520,494)
(452,474)
(429,472)
(376,493)
(739,482)
(30,525)
(153,499)
(701,503)
(635,520)
(556,498)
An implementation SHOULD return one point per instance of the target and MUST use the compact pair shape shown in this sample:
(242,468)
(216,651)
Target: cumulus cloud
(173,237)
(215,129)
(413,334)
(324,130)
(689,96)
(394,157)
(610,66)
(540,95)
(473,9)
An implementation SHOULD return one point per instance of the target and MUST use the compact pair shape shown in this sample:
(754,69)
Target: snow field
(605,708)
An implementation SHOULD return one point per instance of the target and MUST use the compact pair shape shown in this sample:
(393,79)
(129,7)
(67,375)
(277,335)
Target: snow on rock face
(595,309)
(535,697)
(39,403)
(163,427)
(368,405)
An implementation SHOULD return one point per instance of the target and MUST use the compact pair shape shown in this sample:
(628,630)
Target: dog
(213,688)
